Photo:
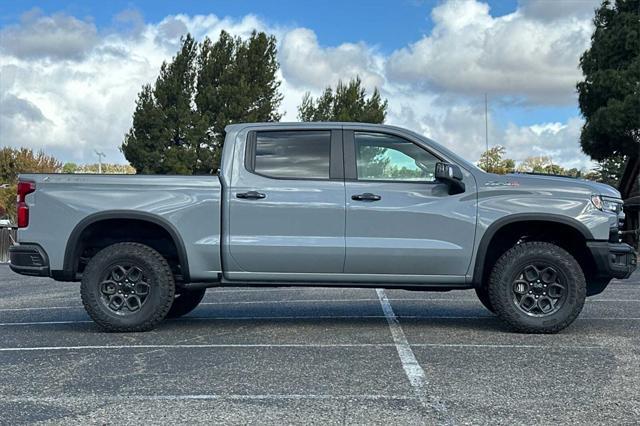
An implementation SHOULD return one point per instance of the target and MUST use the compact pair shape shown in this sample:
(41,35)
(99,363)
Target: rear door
(287,206)
(400,220)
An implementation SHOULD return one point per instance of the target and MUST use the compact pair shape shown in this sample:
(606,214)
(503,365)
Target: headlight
(606,204)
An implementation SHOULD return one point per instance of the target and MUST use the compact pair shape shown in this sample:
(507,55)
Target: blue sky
(387,24)
(432,59)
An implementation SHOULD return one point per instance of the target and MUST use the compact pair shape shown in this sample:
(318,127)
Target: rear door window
(293,154)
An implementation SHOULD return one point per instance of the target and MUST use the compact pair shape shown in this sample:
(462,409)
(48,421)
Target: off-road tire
(483,296)
(160,282)
(508,268)
(185,302)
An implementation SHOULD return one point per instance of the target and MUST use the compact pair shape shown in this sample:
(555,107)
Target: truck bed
(187,206)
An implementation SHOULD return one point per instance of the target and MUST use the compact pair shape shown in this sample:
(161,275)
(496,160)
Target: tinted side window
(293,154)
(386,157)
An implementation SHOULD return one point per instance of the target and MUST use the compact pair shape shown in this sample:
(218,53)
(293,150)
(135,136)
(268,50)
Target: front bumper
(613,260)
(29,259)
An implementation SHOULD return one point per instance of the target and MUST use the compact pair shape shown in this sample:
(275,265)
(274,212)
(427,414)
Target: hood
(566,183)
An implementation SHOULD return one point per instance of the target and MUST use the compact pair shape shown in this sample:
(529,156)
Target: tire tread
(532,248)
(90,301)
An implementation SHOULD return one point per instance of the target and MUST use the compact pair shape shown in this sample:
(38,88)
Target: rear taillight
(24,188)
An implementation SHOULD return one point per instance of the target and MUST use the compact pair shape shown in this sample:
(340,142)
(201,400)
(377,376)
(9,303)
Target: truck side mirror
(451,175)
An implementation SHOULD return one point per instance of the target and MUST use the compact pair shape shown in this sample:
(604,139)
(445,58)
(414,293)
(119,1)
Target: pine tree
(178,124)
(162,138)
(348,103)
(236,83)
(609,98)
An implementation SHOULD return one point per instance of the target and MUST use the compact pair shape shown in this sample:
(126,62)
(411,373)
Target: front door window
(382,157)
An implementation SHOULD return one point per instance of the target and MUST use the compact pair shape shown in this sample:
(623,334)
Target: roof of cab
(308,125)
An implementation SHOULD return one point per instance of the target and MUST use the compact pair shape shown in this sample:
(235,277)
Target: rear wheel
(537,287)
(127,287)
(185,302)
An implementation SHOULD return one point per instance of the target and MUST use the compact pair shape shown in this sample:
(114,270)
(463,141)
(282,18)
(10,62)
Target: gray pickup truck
(324,204)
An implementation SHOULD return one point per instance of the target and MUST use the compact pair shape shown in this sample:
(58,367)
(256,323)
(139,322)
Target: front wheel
(537,287)
(127,287)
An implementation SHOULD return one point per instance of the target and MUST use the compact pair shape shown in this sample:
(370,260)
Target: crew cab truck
(324,204)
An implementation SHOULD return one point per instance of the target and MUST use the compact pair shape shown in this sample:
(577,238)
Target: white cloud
(55,37)
(461,127)
(551,10)
(71,98)
(85,100)
(518,55)
(305,63)
(556,140)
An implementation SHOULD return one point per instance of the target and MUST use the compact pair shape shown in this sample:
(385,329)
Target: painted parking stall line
(293,301)
(307,318)
(205,397)
(416,373)
(412,368)
(196,346)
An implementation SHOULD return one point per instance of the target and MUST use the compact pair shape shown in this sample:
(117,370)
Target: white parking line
(314,317)
(40,308)
(266,302)
(285,288)
(196,397)
(255,318)
(412,368)
(197,346)
(414,371)
(502,346)
(392,299)
(10,324)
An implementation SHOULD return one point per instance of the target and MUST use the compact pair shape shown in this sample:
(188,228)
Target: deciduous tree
(492,161)
(535,164)
(21,160)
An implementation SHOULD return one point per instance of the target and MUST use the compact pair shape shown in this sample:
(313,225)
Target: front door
(400,220)
(287,206)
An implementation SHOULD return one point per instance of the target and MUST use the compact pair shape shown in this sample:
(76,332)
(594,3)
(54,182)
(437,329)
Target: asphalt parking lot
(316,356)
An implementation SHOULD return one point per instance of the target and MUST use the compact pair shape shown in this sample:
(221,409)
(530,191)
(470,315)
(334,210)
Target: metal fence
(7,236)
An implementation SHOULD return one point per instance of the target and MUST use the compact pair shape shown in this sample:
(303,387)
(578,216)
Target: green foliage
(606,172)
(491,161)
(347,103)
(107,169)
(609,96)
(610,170)
(69,168)
(178,124)
(573,172)
(16,161)
(8,203)
(537,164)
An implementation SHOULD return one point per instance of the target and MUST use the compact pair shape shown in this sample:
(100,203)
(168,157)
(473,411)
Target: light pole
(486,130)
(100,155)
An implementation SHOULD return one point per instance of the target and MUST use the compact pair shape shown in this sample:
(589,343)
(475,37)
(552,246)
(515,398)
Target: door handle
(367,196)
(251,195)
